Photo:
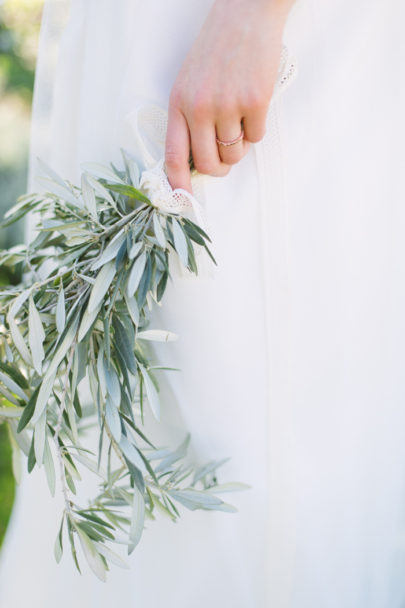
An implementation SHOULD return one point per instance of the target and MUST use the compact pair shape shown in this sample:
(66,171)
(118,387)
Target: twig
(58,428)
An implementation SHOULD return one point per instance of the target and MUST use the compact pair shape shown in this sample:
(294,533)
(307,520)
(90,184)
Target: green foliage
(6,482)
(19,27)
(99,263)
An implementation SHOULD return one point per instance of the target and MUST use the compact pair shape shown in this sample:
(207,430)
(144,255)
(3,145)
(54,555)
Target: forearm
(280,9)
(274,12)
(283,6)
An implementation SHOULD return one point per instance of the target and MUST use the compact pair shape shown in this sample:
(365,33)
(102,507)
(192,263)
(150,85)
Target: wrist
(274,11)
(278,10)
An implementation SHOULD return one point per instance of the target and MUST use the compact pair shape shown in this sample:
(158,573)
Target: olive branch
(98,264)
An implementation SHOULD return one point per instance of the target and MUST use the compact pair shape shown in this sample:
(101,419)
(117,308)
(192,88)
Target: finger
(227,130)
(177,150)
(254,124)
(205,150)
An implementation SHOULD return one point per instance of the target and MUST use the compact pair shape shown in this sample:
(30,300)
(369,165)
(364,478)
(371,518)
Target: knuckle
(232,160)
(226,107)
(173,159)
(221,170)
(256,100)
(176,97)
(200,107)
(256,136)
(231,157)
(206,167)
(224,170)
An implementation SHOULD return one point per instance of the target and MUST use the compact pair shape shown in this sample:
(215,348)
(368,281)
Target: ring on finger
(231,142)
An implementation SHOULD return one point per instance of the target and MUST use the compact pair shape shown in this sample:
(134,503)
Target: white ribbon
(148,123)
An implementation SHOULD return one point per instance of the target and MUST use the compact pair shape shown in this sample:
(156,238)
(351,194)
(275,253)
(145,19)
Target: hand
(228,77)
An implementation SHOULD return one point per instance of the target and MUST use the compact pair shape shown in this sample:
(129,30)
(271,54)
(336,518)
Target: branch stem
(58,428)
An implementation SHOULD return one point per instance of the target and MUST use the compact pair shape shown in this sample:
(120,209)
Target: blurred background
(19,30)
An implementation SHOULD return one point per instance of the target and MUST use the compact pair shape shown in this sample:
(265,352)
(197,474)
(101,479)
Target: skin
(227,77)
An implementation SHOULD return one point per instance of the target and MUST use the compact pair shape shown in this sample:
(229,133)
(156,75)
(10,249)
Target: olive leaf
(60,311)
(36,336)
(102,255)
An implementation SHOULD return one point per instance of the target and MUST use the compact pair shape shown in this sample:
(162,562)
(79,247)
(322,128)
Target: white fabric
(292,353)
(148,123)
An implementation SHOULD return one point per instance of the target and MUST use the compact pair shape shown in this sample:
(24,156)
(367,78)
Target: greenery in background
(98,266)
(19,27)
(6,481)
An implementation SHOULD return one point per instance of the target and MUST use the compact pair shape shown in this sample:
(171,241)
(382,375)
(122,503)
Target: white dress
(292,355)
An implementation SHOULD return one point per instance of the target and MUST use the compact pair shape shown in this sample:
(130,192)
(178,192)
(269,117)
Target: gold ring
(231,142)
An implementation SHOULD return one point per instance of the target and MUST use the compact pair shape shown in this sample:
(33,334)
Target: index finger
(177,150)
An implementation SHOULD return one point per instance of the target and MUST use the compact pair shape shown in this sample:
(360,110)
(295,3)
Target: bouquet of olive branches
(98,264)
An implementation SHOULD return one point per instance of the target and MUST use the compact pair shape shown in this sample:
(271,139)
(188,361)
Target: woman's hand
(227,77)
